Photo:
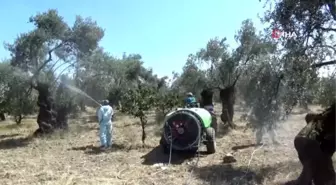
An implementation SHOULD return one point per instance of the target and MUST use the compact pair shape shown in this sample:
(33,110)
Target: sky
(164,33)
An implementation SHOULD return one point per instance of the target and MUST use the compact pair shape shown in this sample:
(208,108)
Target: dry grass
(73,158)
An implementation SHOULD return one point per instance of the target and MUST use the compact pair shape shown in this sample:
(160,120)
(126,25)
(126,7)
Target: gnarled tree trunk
(82,105)
(207,103)
(62,117)
(2,116)
(48,119)
(227,97)
(315,145)
(207,98)
(317,165)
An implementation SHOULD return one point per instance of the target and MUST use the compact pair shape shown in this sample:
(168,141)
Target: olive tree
(13,99)
(51,41)
(137,102)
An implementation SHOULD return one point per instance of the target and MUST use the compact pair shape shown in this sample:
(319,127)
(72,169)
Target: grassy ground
(73,157)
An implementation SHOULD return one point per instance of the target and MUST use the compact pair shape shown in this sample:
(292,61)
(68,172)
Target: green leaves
(167,101)
(147,97)
(51,24)
(137,101)
(312,22)
(32,51)
(85,35)
(326,91)
(13,88)
(257,63)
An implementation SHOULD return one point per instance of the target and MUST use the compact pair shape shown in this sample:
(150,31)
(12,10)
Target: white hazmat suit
(105,114)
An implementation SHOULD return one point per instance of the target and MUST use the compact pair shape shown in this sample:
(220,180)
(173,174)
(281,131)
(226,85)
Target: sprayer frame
(207,136)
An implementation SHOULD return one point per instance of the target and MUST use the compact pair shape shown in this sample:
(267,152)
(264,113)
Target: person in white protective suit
(105,113)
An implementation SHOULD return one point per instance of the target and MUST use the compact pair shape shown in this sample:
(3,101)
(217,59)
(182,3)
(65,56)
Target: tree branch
(327,46)
(47,61)
(249,57)
(328,29)
(43,65)
(332,8)
(324,64)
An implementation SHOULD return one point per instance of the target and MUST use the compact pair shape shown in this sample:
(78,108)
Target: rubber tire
(214,123)
(211,140)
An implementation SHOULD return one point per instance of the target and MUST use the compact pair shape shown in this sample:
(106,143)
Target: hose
(171,149)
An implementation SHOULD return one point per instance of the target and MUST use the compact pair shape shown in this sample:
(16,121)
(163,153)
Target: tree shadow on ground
(299,112)
(228,174)
(14,126)
(93,150)
(157,156)
(128,124)
(239,147)
(291,182)
(4,136)
(85,120)
(12,143)
(135,124)
(79,128)
(293,169)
